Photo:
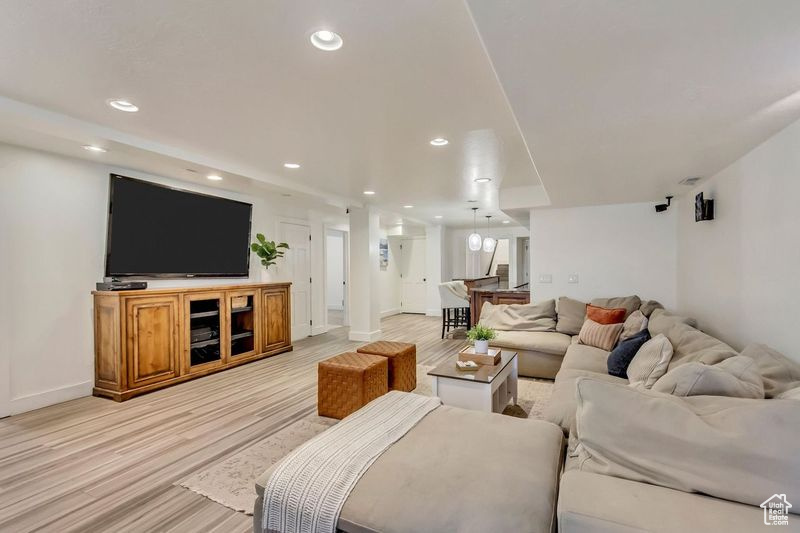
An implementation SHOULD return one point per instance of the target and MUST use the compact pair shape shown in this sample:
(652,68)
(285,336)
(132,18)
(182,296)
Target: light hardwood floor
(95,465)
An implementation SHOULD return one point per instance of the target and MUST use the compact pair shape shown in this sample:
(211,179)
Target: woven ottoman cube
(402,358)
(349,381)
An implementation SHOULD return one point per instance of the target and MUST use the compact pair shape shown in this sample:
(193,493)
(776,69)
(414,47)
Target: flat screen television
(156,231)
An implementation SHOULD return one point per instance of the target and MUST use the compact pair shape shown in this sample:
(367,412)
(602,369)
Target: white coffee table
(489,388)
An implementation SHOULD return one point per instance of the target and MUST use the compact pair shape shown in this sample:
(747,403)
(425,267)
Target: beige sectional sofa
(591,501)
(635,460)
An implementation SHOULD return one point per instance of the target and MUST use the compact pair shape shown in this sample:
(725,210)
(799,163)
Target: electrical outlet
(545,278)
(573,278)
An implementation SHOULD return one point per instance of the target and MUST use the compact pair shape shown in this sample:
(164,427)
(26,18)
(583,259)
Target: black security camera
(660,208)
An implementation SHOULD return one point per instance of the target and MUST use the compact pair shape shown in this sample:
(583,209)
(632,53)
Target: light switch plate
(573,278)
(545,278)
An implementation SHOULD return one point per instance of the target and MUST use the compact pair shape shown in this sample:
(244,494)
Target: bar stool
(455,305)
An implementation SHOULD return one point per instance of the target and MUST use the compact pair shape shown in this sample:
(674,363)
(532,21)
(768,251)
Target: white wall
(334,251)
(738,273)
(52,239)
(389,278)
(616,250)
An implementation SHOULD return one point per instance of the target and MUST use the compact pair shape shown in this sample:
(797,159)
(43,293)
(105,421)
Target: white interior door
(412,275)
(298,268)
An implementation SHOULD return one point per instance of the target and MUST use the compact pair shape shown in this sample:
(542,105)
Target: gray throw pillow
(648,306)
(571,315)
(519,317)
(778,372)
(736,377)
(630,303)
(635,323)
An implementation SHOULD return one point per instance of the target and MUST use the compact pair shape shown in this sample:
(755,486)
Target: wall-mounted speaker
(703,209)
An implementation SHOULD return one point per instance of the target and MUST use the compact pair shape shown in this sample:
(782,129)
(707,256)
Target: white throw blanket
(308,488)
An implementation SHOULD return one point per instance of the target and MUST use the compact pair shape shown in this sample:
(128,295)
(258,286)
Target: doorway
(412,275)
(500,262)
(336,277)
(298,270)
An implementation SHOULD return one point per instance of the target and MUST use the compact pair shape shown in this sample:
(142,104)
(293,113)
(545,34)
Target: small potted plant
(268,251)
(481,336)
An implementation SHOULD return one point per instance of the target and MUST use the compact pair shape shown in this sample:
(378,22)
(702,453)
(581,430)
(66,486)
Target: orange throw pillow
(603,315)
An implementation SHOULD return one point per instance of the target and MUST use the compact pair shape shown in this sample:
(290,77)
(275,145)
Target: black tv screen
(161,232)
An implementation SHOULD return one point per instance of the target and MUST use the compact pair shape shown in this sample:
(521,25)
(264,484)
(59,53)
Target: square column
(365,317)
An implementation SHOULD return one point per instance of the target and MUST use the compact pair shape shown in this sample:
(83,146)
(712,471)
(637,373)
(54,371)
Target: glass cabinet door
(243,329)
(206,319)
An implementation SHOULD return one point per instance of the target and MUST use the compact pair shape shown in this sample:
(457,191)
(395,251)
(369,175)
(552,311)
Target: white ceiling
(610,101)
(618,100)
(239,85)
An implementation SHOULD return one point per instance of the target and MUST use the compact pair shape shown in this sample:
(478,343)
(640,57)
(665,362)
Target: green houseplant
(481,335)
(268,251)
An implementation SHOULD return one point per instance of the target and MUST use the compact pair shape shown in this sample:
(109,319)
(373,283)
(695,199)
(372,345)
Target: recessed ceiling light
(326,40)
(408,206)
(291,165)
(124,105)
(369,193)
(438,216)
(506,221)
(93,148)
(214,177)
(482,180)
(439,141)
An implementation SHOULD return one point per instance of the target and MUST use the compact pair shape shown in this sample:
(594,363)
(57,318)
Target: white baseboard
(51,397)
(318,330)
(390,312)
(365,336)
(433,312)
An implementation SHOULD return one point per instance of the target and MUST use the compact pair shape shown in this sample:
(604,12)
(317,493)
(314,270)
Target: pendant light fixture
(488,243)
(474,240)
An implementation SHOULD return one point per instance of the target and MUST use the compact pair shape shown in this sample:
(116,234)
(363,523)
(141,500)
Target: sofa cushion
(620,357)
(571,314)
(606,315)
(650,362)
(648,306)
(778,372)
(603,336)
(585,357)
(630,303)
(732,448)
(736,377)
(791,394)
(537,341)
(425,472)
(519,317)
(692,345)
(595,503)
(561,407)
(424,469)
(661,320)
(635,323)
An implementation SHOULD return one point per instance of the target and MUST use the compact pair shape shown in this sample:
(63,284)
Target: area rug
(232,481)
